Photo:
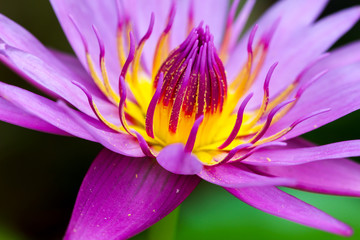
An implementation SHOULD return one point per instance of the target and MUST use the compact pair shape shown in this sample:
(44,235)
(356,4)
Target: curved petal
(293,16)
(78,72)
(331,176)
(335,176)
(41,108)
(51,77)
(302,47)
(230,176)
(281,204)
(202,12)
(14,115)
(121,143)
(286,156)
(348,54)
(102,15)
(122,196)
(174,159)
(14,36)
(337,90)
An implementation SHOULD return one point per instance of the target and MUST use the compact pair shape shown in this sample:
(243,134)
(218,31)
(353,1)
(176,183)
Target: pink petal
(206,12)
(348,54)
(301,47)
(231,176)
(40,108)
(286,156)
(17,43)
(14,115)
(53,79)
(333,176)
(293,16)
(122,196)
(175,159)
(121,143)
(337,90)
(281,204)
(101,14)
(79,74)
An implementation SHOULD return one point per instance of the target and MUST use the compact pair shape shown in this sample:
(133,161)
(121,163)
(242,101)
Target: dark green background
(40,174)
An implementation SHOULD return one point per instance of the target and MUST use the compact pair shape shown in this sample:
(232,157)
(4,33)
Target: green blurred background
(40,174)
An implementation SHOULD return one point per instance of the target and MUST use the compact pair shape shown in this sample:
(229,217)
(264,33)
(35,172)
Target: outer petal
(14,115)
(78,72)
(122,196)
(231,176)
(335,176)
(117,142)
(52,78)
(301,48)
(293,16)
(295,156)
(337,90)
(42,108)
(85,13)
(15,36)
(281,204)
(348,54)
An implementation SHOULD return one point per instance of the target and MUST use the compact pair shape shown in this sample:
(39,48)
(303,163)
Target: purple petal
(102,15)
(302,47)
(121,143)
(141,19)
(41,108)
(14,115)
(336,90)
(53,78)
(205,12)
(293,15)
(78,72)
(230,176)
(122,196)
(294,156)
(335,176)
(13,36)
(202,12)
(175,159)
(276,202)
(348,54)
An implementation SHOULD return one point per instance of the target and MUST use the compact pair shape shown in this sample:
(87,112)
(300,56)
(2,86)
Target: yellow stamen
(94,75)
(120,47)
(113,95)
(282,96)
(161,52)
(103,119)
(273,137)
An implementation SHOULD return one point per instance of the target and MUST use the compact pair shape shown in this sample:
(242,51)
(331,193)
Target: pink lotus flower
(174,98)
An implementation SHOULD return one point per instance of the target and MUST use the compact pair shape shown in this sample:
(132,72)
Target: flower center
(193,83)
(186,100)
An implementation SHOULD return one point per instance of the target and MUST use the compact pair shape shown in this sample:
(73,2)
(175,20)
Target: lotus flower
(174,96)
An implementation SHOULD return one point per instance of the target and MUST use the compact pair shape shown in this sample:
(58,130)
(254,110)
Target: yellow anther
(113,95)
(94,75)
